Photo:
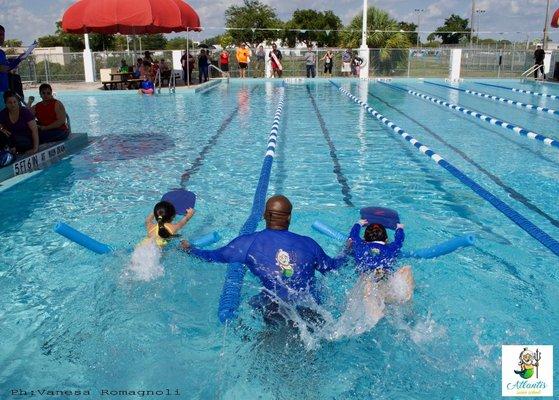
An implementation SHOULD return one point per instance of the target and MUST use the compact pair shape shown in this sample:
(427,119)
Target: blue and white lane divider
(549,96)
(231,293)
(438,250)
(491,120)
(499,99)
(514,216)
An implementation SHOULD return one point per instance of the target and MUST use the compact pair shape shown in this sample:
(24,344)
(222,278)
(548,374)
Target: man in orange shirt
(243,55)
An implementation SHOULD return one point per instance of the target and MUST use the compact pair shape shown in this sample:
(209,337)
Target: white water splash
(366,305)
(145,263)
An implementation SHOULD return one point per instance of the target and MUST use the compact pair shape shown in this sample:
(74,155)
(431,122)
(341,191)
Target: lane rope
(501,206)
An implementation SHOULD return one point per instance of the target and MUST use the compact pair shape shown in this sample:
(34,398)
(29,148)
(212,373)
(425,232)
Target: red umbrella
(130,17)
(555,19)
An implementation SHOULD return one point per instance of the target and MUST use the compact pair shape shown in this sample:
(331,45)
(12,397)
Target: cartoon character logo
(529,361)
(283,261)
(374,251)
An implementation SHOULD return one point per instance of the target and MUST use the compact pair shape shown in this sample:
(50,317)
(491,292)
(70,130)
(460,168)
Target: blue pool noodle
(205,240)
(100,248)
(441,249)
(430,252)
(81,238)
(329,231)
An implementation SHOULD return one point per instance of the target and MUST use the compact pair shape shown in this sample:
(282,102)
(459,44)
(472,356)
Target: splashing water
(145,264)
(366,305)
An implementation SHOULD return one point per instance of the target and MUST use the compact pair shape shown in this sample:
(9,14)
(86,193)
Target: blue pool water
(75,320)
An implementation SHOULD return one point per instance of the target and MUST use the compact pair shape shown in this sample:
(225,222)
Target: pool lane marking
(199,161)
(342,180)
(499,99)
(501,206)
(513,193)
(231,293)
(549,96)
(491,120)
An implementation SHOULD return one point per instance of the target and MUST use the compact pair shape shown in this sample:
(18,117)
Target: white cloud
(28,19)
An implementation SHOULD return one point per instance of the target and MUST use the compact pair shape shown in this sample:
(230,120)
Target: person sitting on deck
(123,66)
(137,72)
(51,116)
(164,70)
(18,129)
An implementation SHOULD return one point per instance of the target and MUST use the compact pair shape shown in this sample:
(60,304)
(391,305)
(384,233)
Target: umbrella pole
(187,61)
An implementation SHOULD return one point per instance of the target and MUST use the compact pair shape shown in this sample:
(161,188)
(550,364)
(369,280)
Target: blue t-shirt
(284,262)
(371,255)
(11,64)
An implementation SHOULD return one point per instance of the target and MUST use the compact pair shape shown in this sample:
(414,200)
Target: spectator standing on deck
(275,59)
(539,56)
(224,62)
(260,60)
(310,61)
(243,55)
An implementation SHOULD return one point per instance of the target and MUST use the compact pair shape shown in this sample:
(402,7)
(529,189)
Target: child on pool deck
(378,283)
(159,223)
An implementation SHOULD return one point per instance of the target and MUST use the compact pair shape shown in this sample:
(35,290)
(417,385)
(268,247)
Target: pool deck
(47,155)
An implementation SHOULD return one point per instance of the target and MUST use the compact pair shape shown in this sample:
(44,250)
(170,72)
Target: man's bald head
(278,212)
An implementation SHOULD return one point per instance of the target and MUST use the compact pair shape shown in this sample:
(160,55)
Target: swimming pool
(71,320)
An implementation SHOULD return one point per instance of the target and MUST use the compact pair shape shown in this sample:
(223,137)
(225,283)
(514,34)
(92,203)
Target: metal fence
(414,62)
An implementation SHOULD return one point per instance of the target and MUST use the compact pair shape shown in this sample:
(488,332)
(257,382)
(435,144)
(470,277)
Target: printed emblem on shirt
(283,261)
(375,251)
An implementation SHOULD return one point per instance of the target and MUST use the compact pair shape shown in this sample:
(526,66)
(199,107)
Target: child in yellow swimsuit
(159,224)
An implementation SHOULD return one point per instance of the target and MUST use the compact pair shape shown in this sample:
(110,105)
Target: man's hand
(401,226)
(362,222)
(185,245)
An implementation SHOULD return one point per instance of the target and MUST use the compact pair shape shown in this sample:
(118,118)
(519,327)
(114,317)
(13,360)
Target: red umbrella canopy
(130,17)
(555,19)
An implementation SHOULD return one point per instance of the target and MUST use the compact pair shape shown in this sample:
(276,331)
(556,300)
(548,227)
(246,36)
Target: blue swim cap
(6,158)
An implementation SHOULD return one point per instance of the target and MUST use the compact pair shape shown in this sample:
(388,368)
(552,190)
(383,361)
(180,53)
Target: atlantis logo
(527,371)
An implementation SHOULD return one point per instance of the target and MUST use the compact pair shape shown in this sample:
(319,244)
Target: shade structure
(130,17)
(555,19)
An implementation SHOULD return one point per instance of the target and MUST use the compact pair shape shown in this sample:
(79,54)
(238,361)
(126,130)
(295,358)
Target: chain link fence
(414,62)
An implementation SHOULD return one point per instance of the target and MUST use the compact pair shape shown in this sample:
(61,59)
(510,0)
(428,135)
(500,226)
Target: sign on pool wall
(39,160)
(527,371)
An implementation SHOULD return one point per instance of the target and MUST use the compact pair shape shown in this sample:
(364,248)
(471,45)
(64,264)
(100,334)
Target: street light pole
(418,11)
(472,22)
(479,14)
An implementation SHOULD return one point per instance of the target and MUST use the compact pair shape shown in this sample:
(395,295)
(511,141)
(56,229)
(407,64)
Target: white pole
(364,50)
(545,26)
(188,78)
(88,69)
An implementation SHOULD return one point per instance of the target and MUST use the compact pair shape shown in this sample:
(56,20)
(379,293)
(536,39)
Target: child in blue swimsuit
(378,283)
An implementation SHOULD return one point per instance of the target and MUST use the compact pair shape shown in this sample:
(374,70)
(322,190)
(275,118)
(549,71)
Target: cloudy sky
(507,19)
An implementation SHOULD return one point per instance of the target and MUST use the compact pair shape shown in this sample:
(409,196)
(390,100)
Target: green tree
(378,22)
(249,18)
(178,43)
(454,30)
(153,42)
(50,41)
(303,23)
(13,43)
(410,31)
(383,33)
(97,41)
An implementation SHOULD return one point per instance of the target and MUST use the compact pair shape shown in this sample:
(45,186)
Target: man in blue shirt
(284,262)
(5,67)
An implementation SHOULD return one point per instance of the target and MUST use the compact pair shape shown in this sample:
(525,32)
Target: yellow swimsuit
(161,242)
